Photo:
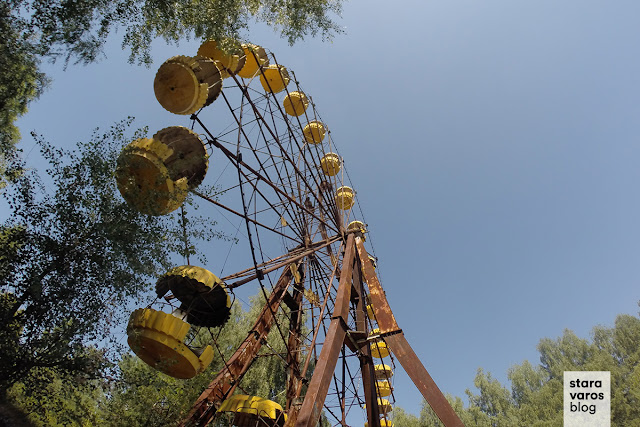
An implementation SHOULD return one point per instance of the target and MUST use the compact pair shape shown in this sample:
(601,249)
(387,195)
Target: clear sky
(494,149)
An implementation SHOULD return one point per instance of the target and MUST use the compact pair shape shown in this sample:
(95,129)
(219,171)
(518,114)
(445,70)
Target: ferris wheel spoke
(262,123)
(292,139)
(299,173)
(239,162)
(287,174)
(228,209)
(242,133)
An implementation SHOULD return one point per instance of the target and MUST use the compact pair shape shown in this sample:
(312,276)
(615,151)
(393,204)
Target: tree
(139,395)
(142,396)
(20,83)
(70,259)
(404,419)
(51,398)
(428,417)
(77,30)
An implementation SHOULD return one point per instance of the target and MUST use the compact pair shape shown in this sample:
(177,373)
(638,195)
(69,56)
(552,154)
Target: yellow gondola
(295,103)
(384,406)
(158,339)
(144,180)
(373,261)
(383,387)
(359,227)
(370,312)
(379,349)
(189,158)
(382,371)
(230,62)
(330,164)
(255,57)
(204,297)
(184,84)
(254,411)
(383,423)
(314,132)
(345,198)
(274,78)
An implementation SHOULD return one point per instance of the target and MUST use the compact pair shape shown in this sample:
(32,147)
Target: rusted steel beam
(400,347)
(300,250)
(292,415)
(366,362)
(384,316)
(225,382)
(313,403)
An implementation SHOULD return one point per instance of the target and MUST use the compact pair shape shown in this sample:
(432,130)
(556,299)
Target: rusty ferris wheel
(307,250)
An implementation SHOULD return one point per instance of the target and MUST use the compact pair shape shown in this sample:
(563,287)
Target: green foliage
(51,398)
(79,29)
(403,418)
(72,254)
(140,395)
(267,376)
(20,83)
(536,397)
(144,397)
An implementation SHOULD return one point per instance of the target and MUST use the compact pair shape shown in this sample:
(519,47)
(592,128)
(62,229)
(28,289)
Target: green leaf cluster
(51,398)
(78,29)
(20,83)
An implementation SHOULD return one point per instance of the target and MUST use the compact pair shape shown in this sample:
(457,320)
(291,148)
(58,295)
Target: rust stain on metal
(384,316)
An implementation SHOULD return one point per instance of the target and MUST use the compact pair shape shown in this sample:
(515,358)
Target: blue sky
(494,149)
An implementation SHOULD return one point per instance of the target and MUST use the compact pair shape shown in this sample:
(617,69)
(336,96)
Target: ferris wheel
(278,171)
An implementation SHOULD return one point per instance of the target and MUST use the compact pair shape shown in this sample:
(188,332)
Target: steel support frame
(357,269)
